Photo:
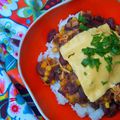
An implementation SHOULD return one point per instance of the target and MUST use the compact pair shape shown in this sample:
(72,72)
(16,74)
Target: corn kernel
(48,68)
(55,49)
(62,30)
(71,98)
(67,95)
(53,81)
(69,67)
(47,73)
(44,64)
(77,82)
(107,105)
(84,105)
(74,18)
(45,78)
(62,83)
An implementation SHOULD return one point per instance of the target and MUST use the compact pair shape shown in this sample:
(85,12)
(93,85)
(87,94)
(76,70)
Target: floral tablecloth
(15,18)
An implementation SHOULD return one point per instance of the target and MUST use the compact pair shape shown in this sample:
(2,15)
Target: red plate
(34,42)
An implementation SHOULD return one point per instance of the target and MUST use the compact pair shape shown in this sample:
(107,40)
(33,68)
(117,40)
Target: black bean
(111,23)
(51,35)
(106,110)
(95,105)
(99,19)
(75,33)
(71,88)
(75,27)
(88,17)
(95,23)
(51,76)
(118,105)
(83,97)
(61,91)
(68,26)
(110,111)
(57,72)
(62,61)
(56,69)
(113,109)
(118,30)
(40,70)
(69,19)
(54,73)
(73,77)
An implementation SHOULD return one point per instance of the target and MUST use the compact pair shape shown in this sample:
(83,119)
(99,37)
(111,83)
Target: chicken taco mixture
(82,64)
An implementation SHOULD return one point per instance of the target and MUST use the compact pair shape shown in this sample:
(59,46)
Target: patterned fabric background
(15,18)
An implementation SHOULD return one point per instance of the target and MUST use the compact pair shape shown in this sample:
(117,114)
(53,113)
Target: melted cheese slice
(92,83)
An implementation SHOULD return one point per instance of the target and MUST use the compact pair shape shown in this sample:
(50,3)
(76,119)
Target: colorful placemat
(15,18)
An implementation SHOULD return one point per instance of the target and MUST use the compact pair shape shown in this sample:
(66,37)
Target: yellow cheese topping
(93,82)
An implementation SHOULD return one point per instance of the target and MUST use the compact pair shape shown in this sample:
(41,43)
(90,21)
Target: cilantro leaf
(96,40)
(115,38)
(83,27)
(91,62)
(101,51)
(96,63)
(109,68)
(106,42)
(108,59)
(115,50)
(86,62)
(82,19)
(88,51)
(102,45)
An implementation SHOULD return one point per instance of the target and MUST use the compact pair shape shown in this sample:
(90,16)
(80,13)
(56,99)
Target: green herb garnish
(102,45)
(83,27)
(96,40)
(82,19)
(108,59)
(104,82)
(91,62)
(88,51)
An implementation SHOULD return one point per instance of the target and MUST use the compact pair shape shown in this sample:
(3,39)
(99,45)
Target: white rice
(48,53)
(81,111)
(60,98)
(97,115)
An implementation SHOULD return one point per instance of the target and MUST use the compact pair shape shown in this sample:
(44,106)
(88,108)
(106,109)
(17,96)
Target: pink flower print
(14,108)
